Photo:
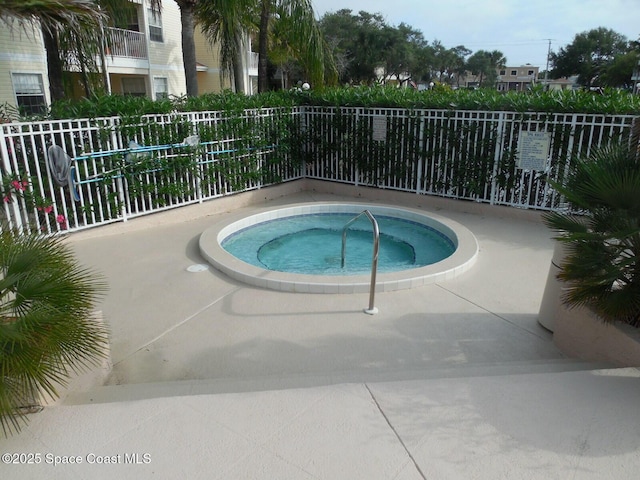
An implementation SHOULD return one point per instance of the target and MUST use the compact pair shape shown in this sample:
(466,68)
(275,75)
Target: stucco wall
(580,333)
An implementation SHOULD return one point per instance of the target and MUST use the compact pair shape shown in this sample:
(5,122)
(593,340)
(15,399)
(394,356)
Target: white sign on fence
(533,150)
(379,127)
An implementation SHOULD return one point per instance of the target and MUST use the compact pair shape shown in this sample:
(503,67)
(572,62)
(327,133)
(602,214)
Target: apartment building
(517,78)
(142,56)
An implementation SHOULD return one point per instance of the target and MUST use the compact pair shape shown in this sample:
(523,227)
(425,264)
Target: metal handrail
(374,262)
(126,43)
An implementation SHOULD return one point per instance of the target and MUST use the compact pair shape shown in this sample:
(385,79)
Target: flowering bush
(15,189)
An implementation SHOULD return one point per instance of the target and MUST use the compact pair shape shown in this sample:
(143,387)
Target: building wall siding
(24,52)
(21,51)
(210,80)
(165,58)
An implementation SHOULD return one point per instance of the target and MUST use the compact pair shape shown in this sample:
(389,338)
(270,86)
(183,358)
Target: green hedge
(566,101)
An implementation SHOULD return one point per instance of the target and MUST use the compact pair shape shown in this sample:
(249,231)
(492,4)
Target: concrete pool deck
(215,379)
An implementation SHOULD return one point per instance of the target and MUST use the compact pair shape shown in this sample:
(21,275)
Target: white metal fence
(112,169)
(472,155)
(72,174)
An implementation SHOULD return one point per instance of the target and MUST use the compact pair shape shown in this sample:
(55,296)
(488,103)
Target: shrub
(611,102)
(602,233)
(47,326)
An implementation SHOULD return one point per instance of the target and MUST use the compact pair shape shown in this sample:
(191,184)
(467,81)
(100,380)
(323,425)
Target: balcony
(126,43)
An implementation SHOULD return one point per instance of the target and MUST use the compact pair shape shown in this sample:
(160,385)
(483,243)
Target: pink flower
(62,220)
(7,199)
(19,185)
(47,209)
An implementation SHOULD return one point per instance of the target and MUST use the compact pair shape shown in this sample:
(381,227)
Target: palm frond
(73,14)
(47,327)
(603,239)
(224,22)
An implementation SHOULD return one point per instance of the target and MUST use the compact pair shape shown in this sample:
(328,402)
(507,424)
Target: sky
(520,29)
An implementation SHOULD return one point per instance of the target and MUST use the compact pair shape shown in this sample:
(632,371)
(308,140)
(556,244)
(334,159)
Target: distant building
(517,79)
(562,83)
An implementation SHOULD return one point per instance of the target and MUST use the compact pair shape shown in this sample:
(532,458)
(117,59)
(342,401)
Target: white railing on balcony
(126,43)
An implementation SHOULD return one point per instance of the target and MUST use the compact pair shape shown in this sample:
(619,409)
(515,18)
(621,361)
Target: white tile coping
(457,263)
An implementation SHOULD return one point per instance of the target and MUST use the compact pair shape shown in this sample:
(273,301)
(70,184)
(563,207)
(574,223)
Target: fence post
(356,179)
(497,156)
(14,220)
(122,198)
(421,150)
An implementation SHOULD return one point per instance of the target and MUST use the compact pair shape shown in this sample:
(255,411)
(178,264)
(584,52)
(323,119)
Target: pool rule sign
(379,128)
(533,150)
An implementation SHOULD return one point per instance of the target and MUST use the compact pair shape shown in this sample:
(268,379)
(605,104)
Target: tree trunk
(263,81)
(83,70)
(189,47)
(239,66)
(54,64)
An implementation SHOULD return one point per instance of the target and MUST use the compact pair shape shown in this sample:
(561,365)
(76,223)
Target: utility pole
(546,71)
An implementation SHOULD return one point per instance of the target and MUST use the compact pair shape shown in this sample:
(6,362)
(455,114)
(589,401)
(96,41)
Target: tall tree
(449,63)
(362,39)
(403,58)
(589,55)
(365,42)
(188,23)
(485,64)
(619,72)
(226,24)
(299,31)
(228,21)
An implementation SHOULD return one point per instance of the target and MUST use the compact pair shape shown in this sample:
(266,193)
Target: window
(29,92)
(514,73)
(134,86)
(530,72)
(128,19)
(155,25)
(503,72)
(161,87)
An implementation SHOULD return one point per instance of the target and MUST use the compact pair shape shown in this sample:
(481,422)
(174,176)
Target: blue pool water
(312,244)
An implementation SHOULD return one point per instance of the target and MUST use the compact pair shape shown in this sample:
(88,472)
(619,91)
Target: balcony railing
(126,43)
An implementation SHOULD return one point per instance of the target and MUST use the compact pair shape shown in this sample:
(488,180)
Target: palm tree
(227,21)
(47,327)
(188,21)
(602,233)
(299,32)
(70,13)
